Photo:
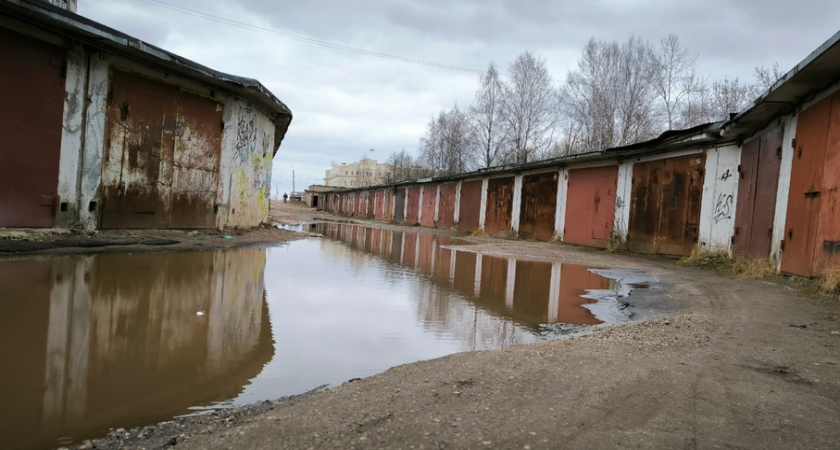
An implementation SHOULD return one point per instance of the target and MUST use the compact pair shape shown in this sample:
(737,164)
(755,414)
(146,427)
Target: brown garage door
(446,206)
(412,200)
(539,205)
(590,206)
(665,205)
(161,165)
(399,205)
(499,206)
(469,209)
(757,187)
(32,87)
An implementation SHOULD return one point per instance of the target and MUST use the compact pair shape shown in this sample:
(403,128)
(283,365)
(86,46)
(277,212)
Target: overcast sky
(345,103)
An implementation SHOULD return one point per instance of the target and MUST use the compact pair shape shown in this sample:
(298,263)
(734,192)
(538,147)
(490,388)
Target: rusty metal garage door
(412,214)
(499,206)
(812,232)
(757,186)
(590,206)
(379,212)
(665,205)
(32,87)
(446,206)
(399,205)
(469,210)
(161,162)
(539,206)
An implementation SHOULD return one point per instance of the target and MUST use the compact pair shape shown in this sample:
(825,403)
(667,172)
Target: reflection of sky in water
(362,300)
(338,314)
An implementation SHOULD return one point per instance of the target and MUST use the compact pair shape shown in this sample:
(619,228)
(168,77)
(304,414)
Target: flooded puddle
(92,342)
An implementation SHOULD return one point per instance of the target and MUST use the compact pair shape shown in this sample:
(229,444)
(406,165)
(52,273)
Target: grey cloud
(346,103)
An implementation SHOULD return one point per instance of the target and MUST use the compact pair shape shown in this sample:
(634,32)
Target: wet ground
(94,342)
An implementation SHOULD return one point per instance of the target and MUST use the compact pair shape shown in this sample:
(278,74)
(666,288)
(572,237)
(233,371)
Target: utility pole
(293,178)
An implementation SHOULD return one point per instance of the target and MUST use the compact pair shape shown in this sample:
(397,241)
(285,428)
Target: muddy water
(92,342)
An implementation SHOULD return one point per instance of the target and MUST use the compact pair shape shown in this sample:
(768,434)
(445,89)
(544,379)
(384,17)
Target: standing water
(92,342)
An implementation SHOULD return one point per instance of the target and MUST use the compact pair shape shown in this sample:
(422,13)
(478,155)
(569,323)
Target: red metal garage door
(413,201)
(590,206)
(32,87)
(429,202)
(812,232)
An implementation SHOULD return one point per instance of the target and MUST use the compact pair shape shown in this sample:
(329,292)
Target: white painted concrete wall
(457,204)
(72,136)
(245,172)
(623,198)
(482,214)
(517,205)
(783,190)
(560,212)
(720,192)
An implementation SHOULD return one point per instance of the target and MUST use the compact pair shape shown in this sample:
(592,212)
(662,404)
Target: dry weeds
(830,282)
(737,267)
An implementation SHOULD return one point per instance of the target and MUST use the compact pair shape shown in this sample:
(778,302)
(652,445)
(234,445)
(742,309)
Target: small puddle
(92,342)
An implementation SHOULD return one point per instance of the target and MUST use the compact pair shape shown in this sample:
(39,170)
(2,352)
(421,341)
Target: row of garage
(664,217)
(760,185)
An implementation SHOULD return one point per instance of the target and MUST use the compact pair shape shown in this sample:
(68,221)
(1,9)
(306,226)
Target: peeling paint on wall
(247,155)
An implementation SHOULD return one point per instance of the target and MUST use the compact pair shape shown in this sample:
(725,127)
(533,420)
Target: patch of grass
(741,268)
(617,244)
(478,233)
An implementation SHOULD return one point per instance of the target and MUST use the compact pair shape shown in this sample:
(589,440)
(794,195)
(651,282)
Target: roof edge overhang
(814,74)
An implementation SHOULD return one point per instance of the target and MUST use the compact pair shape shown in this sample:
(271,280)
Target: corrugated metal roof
(58,20)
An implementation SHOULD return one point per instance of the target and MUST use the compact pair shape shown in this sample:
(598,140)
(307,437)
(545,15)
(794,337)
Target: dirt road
(742,364)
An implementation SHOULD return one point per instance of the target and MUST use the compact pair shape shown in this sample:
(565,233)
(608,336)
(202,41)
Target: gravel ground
(735,364)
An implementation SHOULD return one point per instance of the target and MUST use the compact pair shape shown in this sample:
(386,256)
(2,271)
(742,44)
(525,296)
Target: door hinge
(782,245)
(793,142)
(732,241)
(737,231)
(770,233)
(779,152)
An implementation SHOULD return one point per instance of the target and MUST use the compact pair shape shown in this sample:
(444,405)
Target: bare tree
(530,108)
(486,120)
(447,147)
(766,77)
(402,167)
(674,79)
(698,106)
(611,94)
(730,96)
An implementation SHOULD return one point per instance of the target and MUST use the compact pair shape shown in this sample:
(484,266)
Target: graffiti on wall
(723,207)
(251,160)
(246,134)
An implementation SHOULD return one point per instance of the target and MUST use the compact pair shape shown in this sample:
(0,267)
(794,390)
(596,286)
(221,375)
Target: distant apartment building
(367,172)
